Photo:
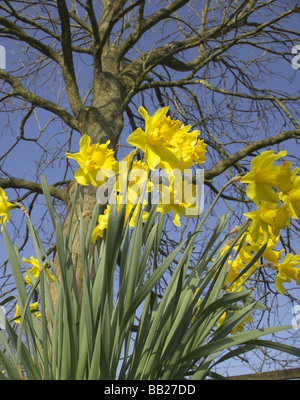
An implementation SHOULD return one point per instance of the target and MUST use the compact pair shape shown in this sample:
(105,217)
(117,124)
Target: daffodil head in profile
(292,198)
(270,218)
(179,196)
(33,306)
(102,225)
(287,271)
(5,207)
(35,270)
(100,229)
(265,176)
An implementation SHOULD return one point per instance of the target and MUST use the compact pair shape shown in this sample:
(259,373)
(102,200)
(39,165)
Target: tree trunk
(103,121)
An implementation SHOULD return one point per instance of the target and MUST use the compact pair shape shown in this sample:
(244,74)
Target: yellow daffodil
(136,178)
(239,328)
(192,152)
(5,207)
(102,225)
(198,154)
(252,247)
(33,306)
(292,197)
(234,267)
(151,140)
(103,219)
(92,160)
(264,176)
(35,270)
(287,271)
(179,197)
(270,218)
(166,143)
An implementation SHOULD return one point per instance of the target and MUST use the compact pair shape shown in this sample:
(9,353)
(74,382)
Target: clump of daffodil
(33,306)
(275,189)
(91,160)
(35,270)
(5,207)
(167,143)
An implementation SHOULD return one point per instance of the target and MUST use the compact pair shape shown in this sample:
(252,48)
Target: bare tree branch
(60,194)
(291,373)
(38,101)
(68,67)
(223,165)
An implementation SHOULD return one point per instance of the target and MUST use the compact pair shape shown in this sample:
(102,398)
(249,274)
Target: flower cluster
(35,272)
(275,190)
(5,207)
(273,259)
(168,146)
(243,253)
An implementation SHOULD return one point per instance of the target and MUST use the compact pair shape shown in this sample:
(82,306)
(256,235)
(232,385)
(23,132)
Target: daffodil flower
(103,219)
(5,207)
(35,270)
(198,152)
(287,271)
(292,197)
(91,160)
(264,176)
(252,247)
(151,140)
(33,306)
(270,218)
(166,143)
(179,197)
(102,225)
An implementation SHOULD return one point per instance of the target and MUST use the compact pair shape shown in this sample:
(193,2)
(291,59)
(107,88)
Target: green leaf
(47,196)
(15,265)
(234,340)
(283,348)
(150,283)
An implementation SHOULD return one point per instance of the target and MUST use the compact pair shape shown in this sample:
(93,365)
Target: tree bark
(102,122)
